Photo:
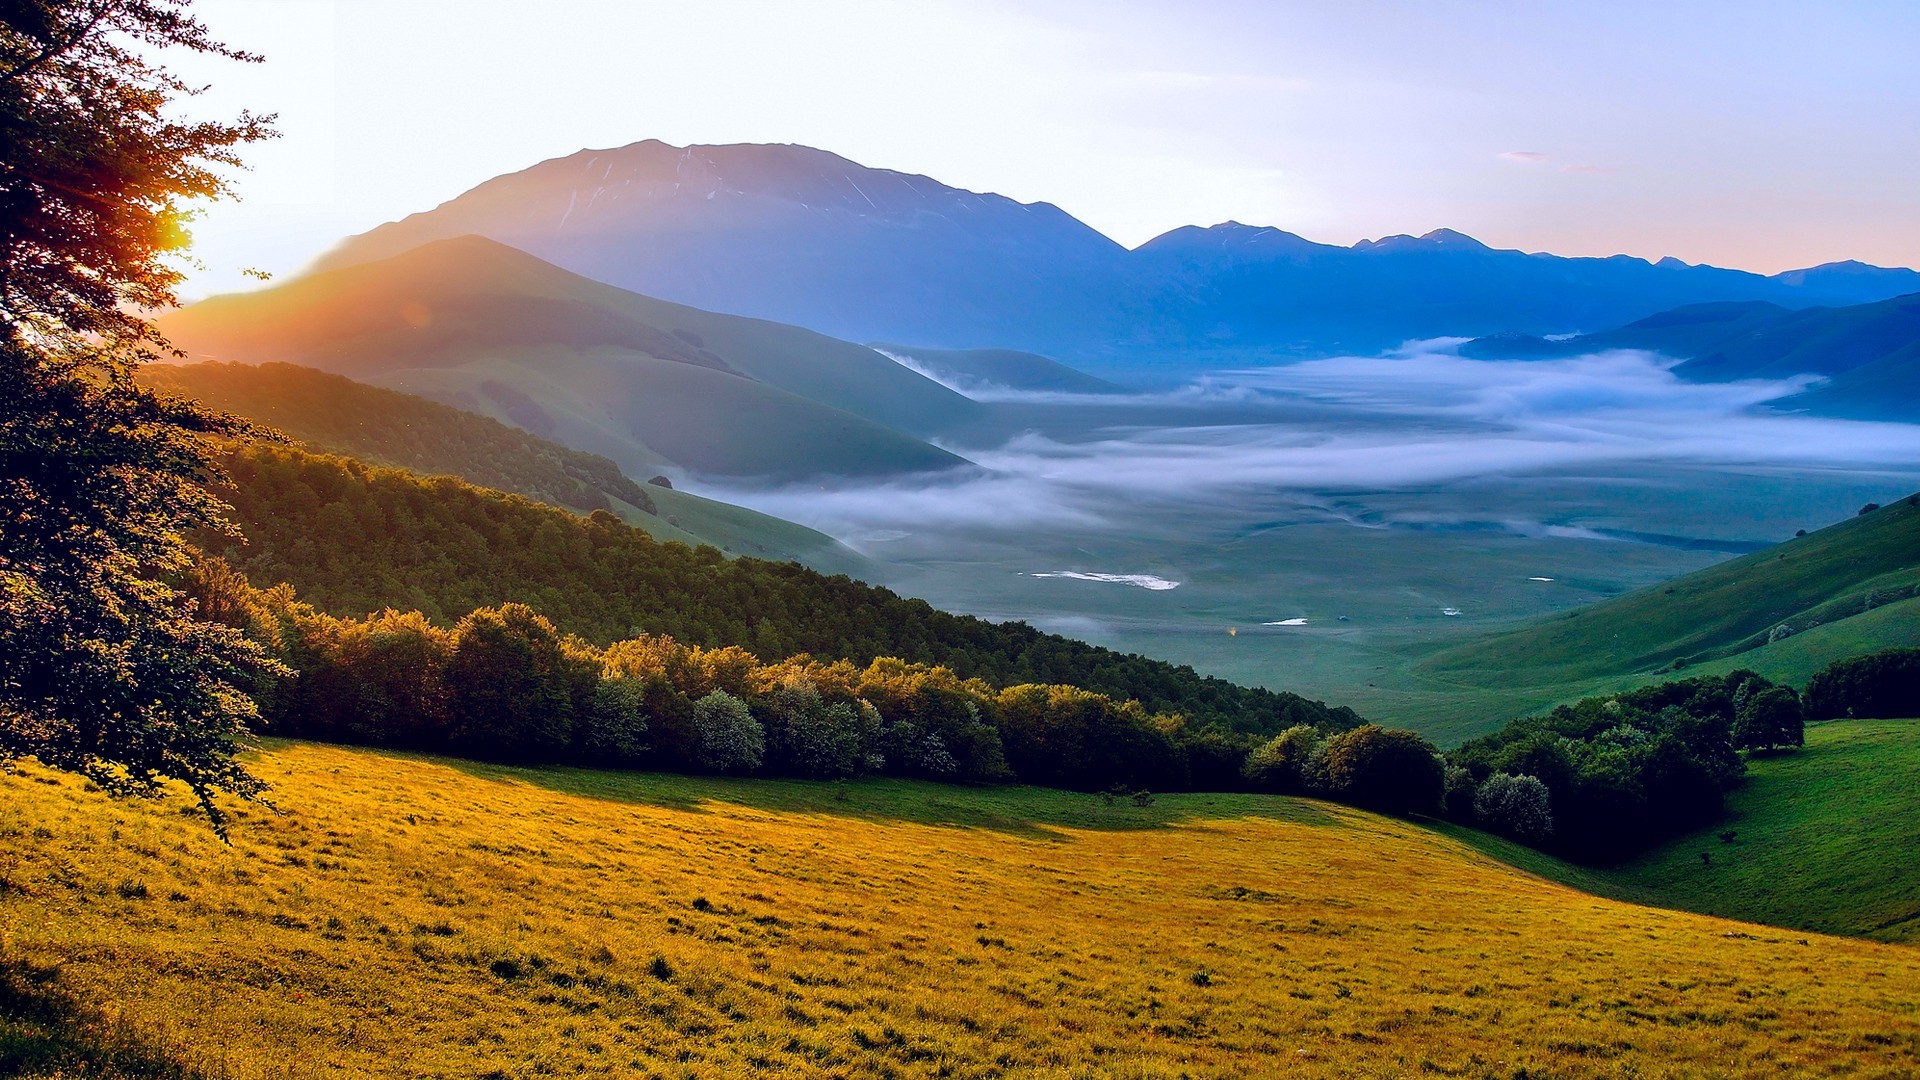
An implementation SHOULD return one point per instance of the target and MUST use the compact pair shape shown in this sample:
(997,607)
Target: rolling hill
(492,330)
(334,414)
(406,916)
(808,237)
(1721,613)
(1867,354)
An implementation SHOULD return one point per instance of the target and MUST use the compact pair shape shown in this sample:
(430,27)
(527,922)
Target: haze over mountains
(808,237)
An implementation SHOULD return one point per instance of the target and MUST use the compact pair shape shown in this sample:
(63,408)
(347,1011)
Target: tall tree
(106,670)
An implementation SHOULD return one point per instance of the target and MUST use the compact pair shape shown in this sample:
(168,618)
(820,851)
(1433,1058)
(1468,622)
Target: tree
(1515,805)
(514,686)
(1770,719)
(107,670)
(1288,763)
(1385,769)
(730,739)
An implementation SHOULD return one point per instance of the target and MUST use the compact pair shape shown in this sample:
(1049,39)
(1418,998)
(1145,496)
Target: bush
(1515,806)
(1384,769)
(729,739)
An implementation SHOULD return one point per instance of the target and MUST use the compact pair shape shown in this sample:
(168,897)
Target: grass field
(409,916)
(1823,839)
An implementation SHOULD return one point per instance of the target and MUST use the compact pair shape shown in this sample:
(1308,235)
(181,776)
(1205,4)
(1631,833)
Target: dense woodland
(354,540)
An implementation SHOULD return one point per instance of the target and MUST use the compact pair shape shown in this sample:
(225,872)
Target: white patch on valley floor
(1287,622)
(1143,581)
(1539,579)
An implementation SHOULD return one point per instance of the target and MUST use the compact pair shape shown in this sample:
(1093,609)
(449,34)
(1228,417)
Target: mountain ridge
(807,237)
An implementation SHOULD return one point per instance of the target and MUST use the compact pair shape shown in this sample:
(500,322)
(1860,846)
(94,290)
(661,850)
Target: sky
(1759,135)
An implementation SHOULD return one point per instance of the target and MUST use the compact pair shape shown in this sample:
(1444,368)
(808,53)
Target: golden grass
(416,917)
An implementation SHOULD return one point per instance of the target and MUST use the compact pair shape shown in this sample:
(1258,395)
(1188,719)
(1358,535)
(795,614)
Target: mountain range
(807,237)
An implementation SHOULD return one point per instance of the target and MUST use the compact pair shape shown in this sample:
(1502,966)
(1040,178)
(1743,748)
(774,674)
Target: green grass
(1716,613)
(1824,839)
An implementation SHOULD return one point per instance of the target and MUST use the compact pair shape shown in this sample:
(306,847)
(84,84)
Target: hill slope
(1823,839)
(403,916)
(334,414)
(808,237)
(988,371)
(1722,611)
(484,327)
(353,539)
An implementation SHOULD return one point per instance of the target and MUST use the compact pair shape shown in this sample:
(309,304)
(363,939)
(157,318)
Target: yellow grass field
(417,917)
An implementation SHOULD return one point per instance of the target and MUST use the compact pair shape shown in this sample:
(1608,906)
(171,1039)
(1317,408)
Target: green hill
(1822,840)
(492,330)
(354,539)
(334,414)
(1725,611)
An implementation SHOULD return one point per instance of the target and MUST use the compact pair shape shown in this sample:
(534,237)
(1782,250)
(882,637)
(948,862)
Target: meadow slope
(409,916)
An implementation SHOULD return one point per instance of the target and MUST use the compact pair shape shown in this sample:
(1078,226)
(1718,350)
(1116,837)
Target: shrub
(513,686)
(729,739)
(1384,769)
(1515,806)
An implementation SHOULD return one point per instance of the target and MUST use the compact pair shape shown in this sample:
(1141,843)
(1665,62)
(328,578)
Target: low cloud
(1524,157)
(1422,417)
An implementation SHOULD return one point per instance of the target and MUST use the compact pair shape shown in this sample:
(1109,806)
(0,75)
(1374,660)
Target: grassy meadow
(401,915)
(1823,839)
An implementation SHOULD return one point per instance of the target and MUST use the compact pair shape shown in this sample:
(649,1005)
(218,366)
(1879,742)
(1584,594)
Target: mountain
(808,237)
(786,233)
(985,372)
(1840,573)
(334,414)
(1868,354)
(486,328)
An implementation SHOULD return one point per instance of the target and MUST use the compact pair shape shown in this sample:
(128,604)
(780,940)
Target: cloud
(1524,157)
(1419,418)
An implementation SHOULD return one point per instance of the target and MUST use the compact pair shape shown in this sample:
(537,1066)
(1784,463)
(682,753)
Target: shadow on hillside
(1032,812)
(46,1031)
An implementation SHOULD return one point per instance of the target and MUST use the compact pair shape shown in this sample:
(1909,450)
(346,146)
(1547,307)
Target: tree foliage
(1881,685)
(107,670)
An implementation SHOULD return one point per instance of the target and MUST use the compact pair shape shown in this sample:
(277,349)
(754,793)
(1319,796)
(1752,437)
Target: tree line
(354,539)
(506,684)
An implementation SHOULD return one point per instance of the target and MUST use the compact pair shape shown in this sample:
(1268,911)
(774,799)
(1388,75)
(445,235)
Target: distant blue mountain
(803,236)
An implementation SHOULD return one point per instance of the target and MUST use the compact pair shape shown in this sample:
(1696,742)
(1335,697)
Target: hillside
(987,371)
(1719,613)
(492,330)
(1822,839)
(334,414)
(354,539)
(1868,354)
(807,237)
(408,916)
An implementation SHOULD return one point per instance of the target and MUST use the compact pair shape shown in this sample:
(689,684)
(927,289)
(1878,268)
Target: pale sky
(1760,135)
